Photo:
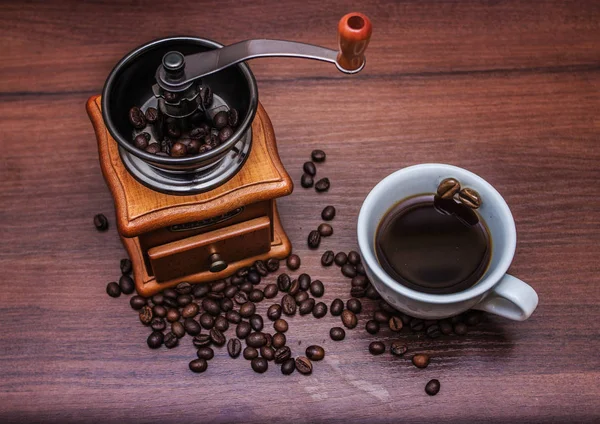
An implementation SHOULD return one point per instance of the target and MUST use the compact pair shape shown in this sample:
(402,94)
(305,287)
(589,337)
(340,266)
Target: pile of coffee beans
(310,172)
(162,135)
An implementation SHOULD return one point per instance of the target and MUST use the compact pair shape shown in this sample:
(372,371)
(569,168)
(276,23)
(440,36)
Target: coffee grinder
(201,217)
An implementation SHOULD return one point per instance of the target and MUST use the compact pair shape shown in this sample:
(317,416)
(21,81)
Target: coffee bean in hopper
(220,120)
(309,168)
(420,360)
(198,365)
(267,352)
(315,353)
(321,186)
(293,262)
(328,213)
(376,348)
(432,387)
(372,326)
(113,289)
(137,118)
(273,264)
(100,222)
(337,333)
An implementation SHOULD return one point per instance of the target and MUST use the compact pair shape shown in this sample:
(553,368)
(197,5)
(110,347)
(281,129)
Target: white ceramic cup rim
(489,195)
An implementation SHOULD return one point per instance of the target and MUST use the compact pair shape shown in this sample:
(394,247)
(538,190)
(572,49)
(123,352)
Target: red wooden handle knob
(354,33)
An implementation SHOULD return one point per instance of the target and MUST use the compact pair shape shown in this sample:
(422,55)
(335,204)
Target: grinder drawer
(195,254)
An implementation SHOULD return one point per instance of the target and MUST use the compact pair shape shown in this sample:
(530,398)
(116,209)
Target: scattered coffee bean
(198,365)
(267,352)
(226,304)
(358,292)
(304,281)
(233,317)
(241,297)
(259,365)
(153,148)
(158,324)
(306,181)
(207,353)
(327,258)
(433,331)
(256,322)
(314,239)
(322,185)
(284,282)
(372,326)
(230,291)
(113,289)
(328,213)
(310,168)
(100,222)
(253,277)
(190,310)
(243,329)
(371,293)
(320,310)
(141,141)
(318,156)
(445,327)
(395,323)
(250,353)
(376,348)
(247,309)
(288,367)
(472,318)
(146,315)
(349,271)
(288,305)
(460,328)
(159,311)
(210,306)
(201,340)
(274,312)
(184,299)
(278,340)
(233,117)
(282,354)
(340,259)
(420,360)
(325,230)
(337,333)
(354,305)
(170,293)
(315,353)
(280,325)
(126,266)
(126,284)
(221,324)
(178,329)
(261,268)
(243,272)
(200,290)
(398,348)
(470,198)
(151,115)
(448,188)
(170,340)
(273,264)
(234,347)
(271,291)
(256,340)
(216,286)
(306,307)
(155,340)
(137,118)
(354,257)
(207,321)
(303,365)
(432,387)
(293,262)
(191,327)
(294,288)
(360,281)
(381,317)
(256,295)
(300,297)
(349,319)
(336,308)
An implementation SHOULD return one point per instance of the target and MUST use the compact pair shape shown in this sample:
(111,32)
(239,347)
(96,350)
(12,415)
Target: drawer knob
(216,263)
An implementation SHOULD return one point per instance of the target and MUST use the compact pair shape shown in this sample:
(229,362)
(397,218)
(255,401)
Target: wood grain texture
(509,90)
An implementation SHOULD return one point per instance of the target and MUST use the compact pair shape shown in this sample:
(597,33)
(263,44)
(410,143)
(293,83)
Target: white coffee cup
(496,291)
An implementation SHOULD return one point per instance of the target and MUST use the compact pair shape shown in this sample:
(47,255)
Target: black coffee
(433,245)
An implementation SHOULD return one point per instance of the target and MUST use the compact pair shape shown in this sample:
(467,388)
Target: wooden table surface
(507,89)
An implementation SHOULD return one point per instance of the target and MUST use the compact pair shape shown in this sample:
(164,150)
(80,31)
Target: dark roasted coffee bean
(294,288)
(470,198)
(207,321)
(226,304)
(178,329)
(445,327)
(230,291)
(256,295)
(126,284)
(100,222)
(261,268)
(220,120)
(243,272)
(304,281)
(256,322)
(170,340)
(193,147)
(173,315)
(200,290)
(246,287)
(178,150)
(171,293)
(433,331)
(284,282)
(170,302)
(282,354)
(348,270)
(155,340)
(327,258)
(247,309)
(191,327)
(460,328)
(253,277)
(198,133)
(337,333)
(328,213)
(280,325)
(376,348)
(250,353)
(221,324)
(278,340)
(137,118)
(472,318)
(218,286)
(256,339)
(300,297)
(240,297)
(420,360)
(360,269)
(153,148)
(274,312)
(259,365)
(233,117)
(206,352)
(395,323)
(360,281)
(303,365)
(268,338)
(293,262)
(310,168)
(233,317)
(190,310)
(126,266)
(325,230)
(354,305)
(306,181)
(225,134)
(234,347)
(267,352)
(381,317)
(322,185)
(271,291)
(353,257)
(237,280)
(372,326)
(448,188)
(315,353)
(170,96)
(151,115)
(113,289)
(349,319)
(417,324)
(146,315)
(201,340)
(288,305)
(371,293)
(306,307)
(318,155)
(198,365)
(317,289)
(398,348)
(336,308)
(211,306)
(358,292)
(314,239)
(140,141)
(243,329)
(320,310)
(273,264)
(288,367)
(158,324)
(159,311)
(432,387)
(340,258)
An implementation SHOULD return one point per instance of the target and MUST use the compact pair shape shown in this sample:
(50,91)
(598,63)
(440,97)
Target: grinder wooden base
(173,238)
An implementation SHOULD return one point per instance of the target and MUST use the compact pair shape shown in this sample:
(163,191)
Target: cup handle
(511,298)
